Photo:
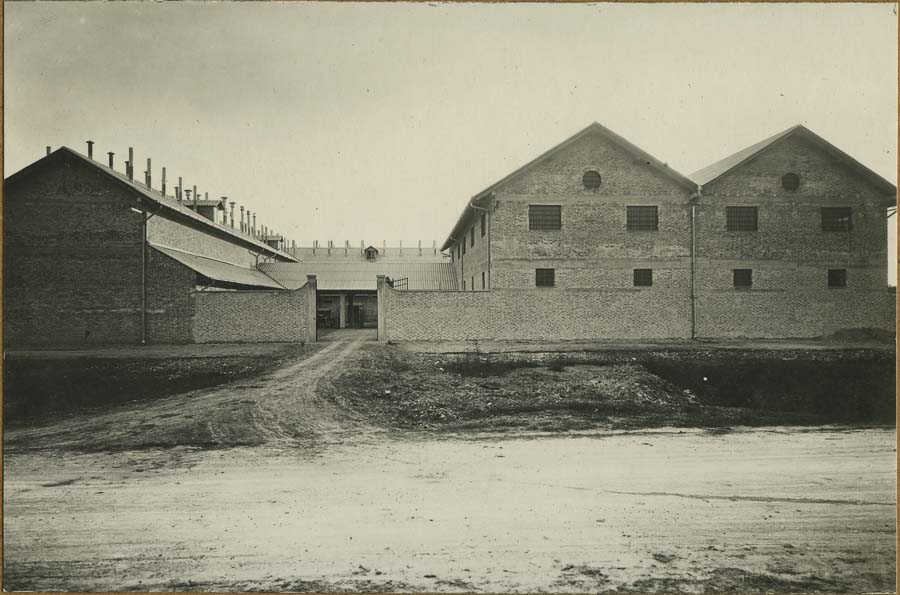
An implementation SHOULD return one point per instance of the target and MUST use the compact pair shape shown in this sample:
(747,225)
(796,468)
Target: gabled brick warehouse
(596,239)
(92,256)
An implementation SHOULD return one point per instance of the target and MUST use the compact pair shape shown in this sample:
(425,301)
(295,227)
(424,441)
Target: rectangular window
(741,218)
(464,284)
(837,218)
(473,283)
(643,277)
(482,279)
(472,236)
(544,277)
(837,277)
(483,223)
(642,218)
(743,278)
(544,217)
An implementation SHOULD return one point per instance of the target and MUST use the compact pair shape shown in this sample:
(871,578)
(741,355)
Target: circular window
(591,180)
(790,181)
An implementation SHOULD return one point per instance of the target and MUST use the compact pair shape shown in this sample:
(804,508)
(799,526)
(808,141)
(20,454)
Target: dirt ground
(269,483)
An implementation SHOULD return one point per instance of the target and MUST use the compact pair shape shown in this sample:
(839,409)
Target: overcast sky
(378,121)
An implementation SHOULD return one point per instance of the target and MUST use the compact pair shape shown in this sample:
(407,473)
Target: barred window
(642,218)
(472,236)
(545,277)
(837,277)
(643,277)
(483,223)
(741,218)
(837,218)
(743,278)
(544,217)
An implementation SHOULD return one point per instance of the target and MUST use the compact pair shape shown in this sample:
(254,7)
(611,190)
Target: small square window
(545,277)
(837,218)
(741,218)
(642,218)
(837,277)
(483,223)
(643,277)
(544,217)
(743,278)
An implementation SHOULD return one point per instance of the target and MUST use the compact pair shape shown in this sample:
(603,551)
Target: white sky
(378,121)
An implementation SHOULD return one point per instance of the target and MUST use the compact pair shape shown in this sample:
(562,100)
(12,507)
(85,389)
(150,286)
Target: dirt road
(313,499)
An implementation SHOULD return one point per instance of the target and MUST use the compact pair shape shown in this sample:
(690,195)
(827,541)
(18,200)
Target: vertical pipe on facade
(693,201)
(144,278)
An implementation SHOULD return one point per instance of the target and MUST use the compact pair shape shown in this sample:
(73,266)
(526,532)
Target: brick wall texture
(71,259)
(251,316)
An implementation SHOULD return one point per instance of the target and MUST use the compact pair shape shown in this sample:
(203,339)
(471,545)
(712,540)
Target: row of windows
(741,278)
(472,284)
(461,247)
(644,218)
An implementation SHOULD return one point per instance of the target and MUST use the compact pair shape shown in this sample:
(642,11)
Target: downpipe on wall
(695,197)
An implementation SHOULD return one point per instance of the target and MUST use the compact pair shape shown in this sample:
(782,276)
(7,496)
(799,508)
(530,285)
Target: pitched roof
(148,194)
(467,214)
(719,168)
(361,276)
(218,270)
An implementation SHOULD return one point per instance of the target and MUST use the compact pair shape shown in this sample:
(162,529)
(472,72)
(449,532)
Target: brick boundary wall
(550,314)
(764,314)
(598,315)
(258,316)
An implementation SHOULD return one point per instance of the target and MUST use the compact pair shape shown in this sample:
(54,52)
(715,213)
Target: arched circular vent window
(591,180)
(790,181)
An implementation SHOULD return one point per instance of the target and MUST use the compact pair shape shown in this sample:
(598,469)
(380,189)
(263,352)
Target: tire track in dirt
(288,410)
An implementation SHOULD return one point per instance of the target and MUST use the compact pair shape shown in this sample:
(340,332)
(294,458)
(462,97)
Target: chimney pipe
(131,163)
(195,197)
(232,212)
(187,194)
(254,224)
(90,145)
(242,218)
(163,190)
(249,227)
(48,149)
(178,190)
(111,154)
(147,174)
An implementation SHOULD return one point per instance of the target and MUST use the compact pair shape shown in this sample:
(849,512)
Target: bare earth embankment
(579,472)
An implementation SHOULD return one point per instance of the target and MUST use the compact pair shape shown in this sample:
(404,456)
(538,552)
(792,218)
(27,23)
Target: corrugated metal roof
(163,201)
(218,270)
(353,276)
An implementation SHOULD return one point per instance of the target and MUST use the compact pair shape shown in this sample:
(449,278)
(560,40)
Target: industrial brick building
(92,256)
(596,239)
(593,240)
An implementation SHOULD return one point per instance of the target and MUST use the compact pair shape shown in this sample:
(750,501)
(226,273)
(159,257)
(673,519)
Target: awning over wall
(220,271)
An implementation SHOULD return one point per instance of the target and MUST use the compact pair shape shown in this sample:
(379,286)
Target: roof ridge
(155,196)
